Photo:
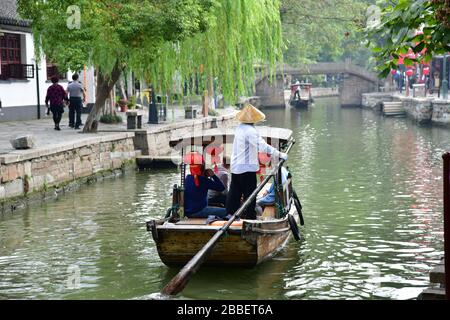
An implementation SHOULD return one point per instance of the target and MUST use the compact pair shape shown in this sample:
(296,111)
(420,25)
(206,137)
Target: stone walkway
(46,137)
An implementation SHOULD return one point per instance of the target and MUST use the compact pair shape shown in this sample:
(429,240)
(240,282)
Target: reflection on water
(371,192)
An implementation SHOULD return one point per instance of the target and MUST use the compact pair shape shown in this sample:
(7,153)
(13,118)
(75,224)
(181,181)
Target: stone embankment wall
(28,176)
(324,92)
(422,110)
(155,142)
(36,174)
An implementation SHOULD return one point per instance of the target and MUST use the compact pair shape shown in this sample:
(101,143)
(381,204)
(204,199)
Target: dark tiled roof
(9,15)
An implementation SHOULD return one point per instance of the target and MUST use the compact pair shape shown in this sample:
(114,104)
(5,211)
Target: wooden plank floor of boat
(268,213)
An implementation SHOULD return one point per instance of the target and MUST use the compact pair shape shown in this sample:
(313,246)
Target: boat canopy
(272,135)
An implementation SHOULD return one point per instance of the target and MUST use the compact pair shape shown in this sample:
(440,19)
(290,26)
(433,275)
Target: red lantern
(264,158)
(264,161)
(409,72)
(426,71)
(393,71)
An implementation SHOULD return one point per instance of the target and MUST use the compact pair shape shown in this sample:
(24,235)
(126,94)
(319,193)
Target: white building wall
(14,92)
(19,97)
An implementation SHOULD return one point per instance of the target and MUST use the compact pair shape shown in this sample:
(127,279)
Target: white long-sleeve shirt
(246,145)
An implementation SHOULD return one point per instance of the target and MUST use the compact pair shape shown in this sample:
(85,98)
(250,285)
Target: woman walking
(56,95)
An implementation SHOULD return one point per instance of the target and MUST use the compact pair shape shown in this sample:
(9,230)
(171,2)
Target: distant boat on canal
(303,100)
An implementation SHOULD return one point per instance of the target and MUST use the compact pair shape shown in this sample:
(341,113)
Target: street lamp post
(445,79)
(38,91)
(152,111)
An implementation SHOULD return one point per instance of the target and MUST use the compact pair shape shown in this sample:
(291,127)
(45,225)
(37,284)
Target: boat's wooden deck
(268,214)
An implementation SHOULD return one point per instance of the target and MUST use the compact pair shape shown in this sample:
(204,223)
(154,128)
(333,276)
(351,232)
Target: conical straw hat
(250,114)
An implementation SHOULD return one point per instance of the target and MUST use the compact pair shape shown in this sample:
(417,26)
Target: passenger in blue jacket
(196,189)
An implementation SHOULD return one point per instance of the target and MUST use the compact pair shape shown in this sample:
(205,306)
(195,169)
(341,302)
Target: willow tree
(238,35)
(110,35)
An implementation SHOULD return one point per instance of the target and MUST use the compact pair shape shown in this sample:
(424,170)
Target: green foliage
(324,30)
(111,31)
(212,113)
(396,33)
(132,102)
(111,118)
(238,34)
(167,41)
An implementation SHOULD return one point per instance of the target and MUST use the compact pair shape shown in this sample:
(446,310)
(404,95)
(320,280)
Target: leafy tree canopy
(420,25)
(129,32)
(239,34)
(324,30)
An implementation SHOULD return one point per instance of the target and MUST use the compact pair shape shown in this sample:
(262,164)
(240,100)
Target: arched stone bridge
(356,81)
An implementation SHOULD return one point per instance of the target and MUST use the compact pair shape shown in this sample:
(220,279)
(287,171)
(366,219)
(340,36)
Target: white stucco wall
(24,92)
(15,93)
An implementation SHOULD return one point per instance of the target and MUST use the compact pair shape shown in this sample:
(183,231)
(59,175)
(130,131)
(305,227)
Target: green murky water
(371,192)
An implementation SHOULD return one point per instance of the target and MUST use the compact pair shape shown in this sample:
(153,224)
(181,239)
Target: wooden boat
(305,99)
(247,242)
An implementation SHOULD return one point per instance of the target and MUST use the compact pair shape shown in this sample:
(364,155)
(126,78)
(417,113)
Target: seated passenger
(268,198)
(196,189)
(222,172)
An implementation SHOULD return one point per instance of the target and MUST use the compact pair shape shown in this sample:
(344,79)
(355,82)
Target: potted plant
(123,104)
(132,103)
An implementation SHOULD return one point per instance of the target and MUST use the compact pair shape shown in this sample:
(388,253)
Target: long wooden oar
(179,282)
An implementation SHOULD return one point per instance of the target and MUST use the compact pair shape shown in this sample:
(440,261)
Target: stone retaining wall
(422,110)
(155,142)
(419,109)
(324,92)
(372,100)
(31,173)
(441,112)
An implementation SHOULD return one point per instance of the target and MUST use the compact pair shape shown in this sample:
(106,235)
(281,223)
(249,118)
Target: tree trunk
(212,101)
(105,84)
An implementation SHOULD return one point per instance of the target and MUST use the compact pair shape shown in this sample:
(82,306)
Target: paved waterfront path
(46,137)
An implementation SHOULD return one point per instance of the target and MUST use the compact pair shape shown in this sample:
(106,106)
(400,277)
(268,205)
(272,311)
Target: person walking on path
(56,96)
(77,97)
(244,160)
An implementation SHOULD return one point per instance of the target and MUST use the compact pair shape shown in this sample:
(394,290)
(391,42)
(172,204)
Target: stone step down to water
(393,109)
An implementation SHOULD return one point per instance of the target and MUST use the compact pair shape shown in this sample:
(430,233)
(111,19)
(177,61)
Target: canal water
(371,193)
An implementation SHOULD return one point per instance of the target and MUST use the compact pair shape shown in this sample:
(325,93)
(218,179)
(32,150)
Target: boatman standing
(244,160)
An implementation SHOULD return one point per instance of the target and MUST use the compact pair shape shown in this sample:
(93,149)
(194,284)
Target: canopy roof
(272,135)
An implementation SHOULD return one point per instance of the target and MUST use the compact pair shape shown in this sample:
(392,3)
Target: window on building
(52,70)
(9,51)
(11,58)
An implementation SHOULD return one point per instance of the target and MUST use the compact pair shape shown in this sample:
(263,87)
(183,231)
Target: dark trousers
(242,185)
(75,107)
(220,199)
(57,112)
